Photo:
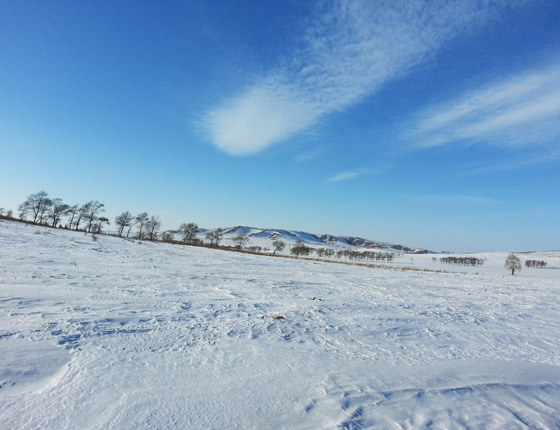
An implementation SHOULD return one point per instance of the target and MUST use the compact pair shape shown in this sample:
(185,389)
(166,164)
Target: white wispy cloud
(348,51)
(344,176)
(257,118)
(352,174)
(519,110)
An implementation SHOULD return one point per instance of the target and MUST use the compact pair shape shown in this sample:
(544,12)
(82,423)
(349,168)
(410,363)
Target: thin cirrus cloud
(349,50)
(308,155)
(514,111)
(345,176)
(512,164)
(353,174)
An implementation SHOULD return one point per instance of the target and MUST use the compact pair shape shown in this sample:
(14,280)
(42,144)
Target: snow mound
(30,366)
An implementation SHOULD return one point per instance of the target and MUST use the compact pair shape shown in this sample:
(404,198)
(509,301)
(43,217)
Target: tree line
(364,255)
(300,248)
(147,227)
(6,213)
(535,263)
(463,261)
(40,209)
(43,210)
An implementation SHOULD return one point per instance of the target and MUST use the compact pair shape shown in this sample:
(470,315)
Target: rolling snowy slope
(122,334)
(264,238)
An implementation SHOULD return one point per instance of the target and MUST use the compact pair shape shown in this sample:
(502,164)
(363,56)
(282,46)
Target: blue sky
(432,124)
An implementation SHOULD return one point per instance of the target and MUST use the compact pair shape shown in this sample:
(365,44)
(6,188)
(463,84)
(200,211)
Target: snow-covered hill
(110,333)
(263,238)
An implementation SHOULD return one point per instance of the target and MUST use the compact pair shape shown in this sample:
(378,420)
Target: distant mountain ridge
(262,237)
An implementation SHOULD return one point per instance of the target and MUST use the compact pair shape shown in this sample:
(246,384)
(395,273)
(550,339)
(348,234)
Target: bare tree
(167,236)
(23,210)
(57,210)
(91,211)
(512,263)
(152,227)
(38,204)
(279,246)
(43,211)
(215,236)
(141,221)
(122,221)
(72,212)
(81,215)
(132,224)
(6,213)
(218,235)
(189,231)
(241,240)
(97,226)
(300,249)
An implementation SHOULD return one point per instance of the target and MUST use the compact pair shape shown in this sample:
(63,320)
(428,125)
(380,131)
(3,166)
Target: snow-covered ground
(493,262)
(121,334)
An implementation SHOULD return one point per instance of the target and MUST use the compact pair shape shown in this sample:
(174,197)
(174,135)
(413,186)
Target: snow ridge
(265,237)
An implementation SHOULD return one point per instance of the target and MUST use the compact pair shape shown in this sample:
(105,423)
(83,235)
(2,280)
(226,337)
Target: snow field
(125,334)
